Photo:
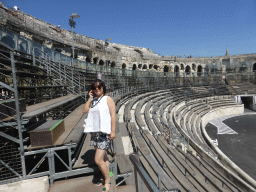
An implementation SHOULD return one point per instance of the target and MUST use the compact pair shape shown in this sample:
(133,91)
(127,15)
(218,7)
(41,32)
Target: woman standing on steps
(101,123)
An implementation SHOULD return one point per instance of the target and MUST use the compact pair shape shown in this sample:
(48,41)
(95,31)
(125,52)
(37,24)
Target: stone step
(86,183)
(40,184)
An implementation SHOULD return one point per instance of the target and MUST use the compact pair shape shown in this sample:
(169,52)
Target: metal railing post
(115,162)
(159,182)
(51,165)
(60,73)
(16,97)
(29,47)
(65,74)
(79,85)
(53,56)
(16,41)
(34,57)
(138,181)
(72,71)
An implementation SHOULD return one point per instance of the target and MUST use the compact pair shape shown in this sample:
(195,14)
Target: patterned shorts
(100,140)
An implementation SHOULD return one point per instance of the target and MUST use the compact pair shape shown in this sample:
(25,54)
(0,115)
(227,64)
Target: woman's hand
(112,135)
(90,94)
(87,106)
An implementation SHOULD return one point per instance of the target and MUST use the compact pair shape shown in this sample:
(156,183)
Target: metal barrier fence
(17,163)
(141,175)
(12,165)
(20,43)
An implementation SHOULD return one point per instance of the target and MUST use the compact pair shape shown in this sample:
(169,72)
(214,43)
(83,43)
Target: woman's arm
(112,110)
(87,105)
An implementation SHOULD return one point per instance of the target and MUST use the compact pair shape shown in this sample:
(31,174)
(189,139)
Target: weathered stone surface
(120,56)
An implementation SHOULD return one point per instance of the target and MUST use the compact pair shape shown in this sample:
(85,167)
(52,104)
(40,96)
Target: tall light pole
(106,45)
(72,24)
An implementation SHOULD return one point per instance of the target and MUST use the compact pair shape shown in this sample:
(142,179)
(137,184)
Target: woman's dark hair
(101,83)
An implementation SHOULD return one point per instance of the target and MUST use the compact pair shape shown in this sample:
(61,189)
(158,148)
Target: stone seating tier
(150,142)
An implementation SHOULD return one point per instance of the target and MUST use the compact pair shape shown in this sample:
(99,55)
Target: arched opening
(140,66)
(76,56)
(88,59)
(155,67)
(101,62)
(193,66)
(8,40)
(199,70)
(95,60)
(166,68)
(187,69)
(134,67)
(181,67)
(176,69)
(123,68)
(145,66)
(150,66)
(243,67)
(113,64)
(254,67)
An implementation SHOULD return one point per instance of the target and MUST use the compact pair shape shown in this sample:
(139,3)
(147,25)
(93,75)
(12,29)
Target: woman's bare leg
(103,163)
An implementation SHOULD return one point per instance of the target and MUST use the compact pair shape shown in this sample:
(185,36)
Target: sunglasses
(94,87)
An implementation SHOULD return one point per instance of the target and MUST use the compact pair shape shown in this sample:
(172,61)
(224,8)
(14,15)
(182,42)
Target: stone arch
(193,66)
(254,67)
(199,70)
(243,67)
(145,66)
(88,59)
(134,67)
(150,66)
(187,69)
(95,60)
(108,63)
(123,68)
(101,62)
(140,66)
(166,68)
(113,64)
(171,69)
(182,66)
(176,69)
(155,67)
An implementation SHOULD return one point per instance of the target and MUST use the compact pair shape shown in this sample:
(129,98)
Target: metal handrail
(141,175)
(58,71)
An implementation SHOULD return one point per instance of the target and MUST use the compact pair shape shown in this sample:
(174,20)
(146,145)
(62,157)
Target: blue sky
(168,27)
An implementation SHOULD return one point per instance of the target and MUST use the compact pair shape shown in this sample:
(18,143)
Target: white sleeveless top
(99,119)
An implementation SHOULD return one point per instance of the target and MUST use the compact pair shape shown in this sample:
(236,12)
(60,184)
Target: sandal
(100,183)
(105,189)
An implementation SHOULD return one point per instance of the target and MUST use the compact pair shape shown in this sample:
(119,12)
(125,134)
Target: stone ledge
(40,184)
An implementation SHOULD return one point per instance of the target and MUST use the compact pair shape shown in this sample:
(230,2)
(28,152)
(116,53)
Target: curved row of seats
(182,108)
